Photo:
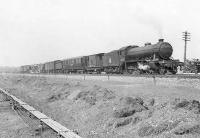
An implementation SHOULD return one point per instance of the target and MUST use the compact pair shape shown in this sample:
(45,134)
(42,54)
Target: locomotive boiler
(161,50)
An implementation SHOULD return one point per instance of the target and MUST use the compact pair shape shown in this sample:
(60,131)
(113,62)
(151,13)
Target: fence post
(41,127)
(154,79)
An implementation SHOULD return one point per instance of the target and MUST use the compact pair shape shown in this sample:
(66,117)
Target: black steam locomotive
(151,58)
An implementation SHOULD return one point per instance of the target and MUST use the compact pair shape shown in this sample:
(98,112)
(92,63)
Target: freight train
(151,59)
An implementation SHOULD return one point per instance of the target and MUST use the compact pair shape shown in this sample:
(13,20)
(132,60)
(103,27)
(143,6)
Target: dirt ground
(11,124)
(121,107)
(15,125)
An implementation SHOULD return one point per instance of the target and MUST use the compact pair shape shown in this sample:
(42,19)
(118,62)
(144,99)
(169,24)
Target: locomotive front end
(151,58)
(165,49)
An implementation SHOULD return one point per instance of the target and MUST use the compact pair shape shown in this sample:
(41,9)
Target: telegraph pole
(186,37)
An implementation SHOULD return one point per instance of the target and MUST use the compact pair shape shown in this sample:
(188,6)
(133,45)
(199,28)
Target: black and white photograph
(99,69)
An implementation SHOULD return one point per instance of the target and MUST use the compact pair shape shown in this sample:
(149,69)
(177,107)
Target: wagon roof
(73,58)
(97,54)
(112,51)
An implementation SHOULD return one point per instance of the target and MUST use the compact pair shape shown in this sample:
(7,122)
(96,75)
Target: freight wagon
(111,62)
(58,66)
(95,63)
(53,67)
(41,68)
(75,65)
(25,69)
(49,67)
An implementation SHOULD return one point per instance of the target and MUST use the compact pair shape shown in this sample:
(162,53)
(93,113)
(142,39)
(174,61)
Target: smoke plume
(150,21)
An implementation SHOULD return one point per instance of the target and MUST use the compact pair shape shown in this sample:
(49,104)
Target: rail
(55,126)
(180,76)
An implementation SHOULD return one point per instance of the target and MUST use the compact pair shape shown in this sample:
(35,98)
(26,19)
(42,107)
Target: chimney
(160,40)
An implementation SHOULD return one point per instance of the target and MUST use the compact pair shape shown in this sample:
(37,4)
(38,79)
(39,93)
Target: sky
(37,31)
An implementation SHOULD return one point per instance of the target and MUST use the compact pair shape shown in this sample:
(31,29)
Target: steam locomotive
(151,58)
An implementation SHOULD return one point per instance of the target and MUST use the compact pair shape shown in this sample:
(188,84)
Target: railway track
(180,76)
(44,120)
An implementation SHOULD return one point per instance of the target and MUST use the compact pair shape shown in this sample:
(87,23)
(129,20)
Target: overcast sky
(36,31)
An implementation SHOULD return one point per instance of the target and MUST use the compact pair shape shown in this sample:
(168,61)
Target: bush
(124,112)
(189,105)
(54,98)
(188,130)
(165,126)
(162,127)
(123,122)
(182,104)
(128,111)
(132,101)
(194,105)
